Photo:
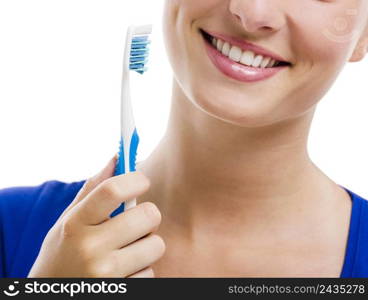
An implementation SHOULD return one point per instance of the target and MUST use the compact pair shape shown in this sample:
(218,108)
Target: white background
(60,73)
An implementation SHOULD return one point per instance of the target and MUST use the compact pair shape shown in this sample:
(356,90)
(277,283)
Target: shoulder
(360,208)
(26,195)
(17,204)
(359,235)
(26,215)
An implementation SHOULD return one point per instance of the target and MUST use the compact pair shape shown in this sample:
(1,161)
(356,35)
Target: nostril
(267,28)
(237,18)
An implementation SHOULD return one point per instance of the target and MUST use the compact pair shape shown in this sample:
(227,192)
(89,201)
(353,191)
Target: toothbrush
(135,59)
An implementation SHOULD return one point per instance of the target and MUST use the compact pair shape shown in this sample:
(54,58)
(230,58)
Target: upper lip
(234,41)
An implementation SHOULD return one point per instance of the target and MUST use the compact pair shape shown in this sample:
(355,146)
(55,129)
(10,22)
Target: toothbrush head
(139,50)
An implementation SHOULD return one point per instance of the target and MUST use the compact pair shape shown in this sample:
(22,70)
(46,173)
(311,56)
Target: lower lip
(238,71)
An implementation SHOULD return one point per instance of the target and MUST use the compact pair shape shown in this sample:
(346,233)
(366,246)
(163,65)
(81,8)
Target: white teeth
(265,62)
(247,58)
(220,44)
(271,63)
(226,49)
(257,61)
(235,53)
(214,42)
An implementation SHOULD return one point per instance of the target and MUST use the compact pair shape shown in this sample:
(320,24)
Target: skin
(85,242)
(231,182)
(232,177)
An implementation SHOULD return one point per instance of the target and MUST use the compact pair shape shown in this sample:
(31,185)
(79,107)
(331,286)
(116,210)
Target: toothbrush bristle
(139,53)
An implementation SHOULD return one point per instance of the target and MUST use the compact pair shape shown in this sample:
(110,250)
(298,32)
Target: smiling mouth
(245,57)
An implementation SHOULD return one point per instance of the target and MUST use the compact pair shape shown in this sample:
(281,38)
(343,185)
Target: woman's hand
(86,242)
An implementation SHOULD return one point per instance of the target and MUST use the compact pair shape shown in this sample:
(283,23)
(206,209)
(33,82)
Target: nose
(258,16)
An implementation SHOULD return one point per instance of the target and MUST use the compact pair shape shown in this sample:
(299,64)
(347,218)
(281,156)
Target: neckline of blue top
(353,235)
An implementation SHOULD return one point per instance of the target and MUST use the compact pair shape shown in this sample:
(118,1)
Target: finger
(107,172)
(146,273)
(97,206)
(130,226)
(92,183)
(139,255)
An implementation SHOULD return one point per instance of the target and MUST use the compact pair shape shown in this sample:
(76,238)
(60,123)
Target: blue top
(27,214)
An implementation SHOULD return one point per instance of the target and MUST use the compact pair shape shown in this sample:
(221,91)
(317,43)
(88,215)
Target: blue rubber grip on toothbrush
(120,164)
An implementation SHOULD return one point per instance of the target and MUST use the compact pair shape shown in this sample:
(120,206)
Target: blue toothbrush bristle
(139,54)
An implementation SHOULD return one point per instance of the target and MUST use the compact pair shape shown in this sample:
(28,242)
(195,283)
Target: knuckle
(115,264)
(91,182)
(86,251)
(68,228)
(142,179)
(87,186)
(88,246)
(151,212)
(100,269)
(110,189)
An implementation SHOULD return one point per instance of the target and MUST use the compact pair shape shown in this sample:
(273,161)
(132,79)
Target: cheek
(321,39)
(170,23)
(323,43)
(326,39)
(179,17)
(180,34)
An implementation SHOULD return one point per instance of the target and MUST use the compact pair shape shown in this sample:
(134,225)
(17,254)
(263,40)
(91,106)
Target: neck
(205,170)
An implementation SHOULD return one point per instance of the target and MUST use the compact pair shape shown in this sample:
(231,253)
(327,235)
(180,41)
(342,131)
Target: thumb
(92,183)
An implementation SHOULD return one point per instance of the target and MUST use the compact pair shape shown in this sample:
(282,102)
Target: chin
(236,109)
